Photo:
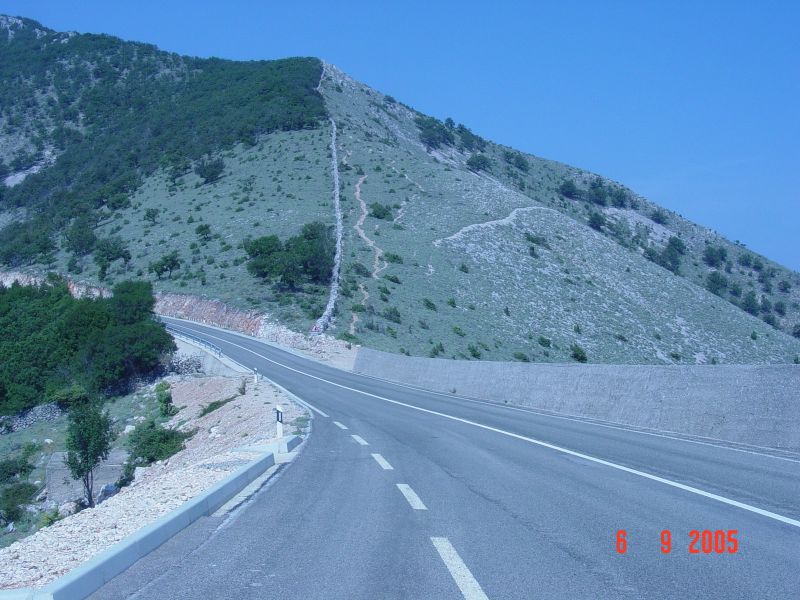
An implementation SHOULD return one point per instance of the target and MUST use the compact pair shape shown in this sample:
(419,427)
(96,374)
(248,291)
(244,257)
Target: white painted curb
(95,573)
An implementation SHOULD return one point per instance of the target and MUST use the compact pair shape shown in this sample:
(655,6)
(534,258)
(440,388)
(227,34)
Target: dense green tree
(264,253)
(307,257)
(479,162)
(166,264)
(210,170)
(79,236)
(132,302)
(50,341)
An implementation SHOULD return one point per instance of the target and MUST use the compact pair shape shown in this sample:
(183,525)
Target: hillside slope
(453,246)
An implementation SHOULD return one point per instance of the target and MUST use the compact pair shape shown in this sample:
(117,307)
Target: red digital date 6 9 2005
(704,541)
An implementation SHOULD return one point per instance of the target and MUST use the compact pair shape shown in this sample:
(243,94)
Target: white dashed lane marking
(382,462)
(469,586)
(411,496)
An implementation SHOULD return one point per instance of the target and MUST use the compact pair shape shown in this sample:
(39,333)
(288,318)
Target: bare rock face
(67,509)
(106,492)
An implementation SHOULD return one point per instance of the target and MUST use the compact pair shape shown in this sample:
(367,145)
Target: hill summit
(253,182)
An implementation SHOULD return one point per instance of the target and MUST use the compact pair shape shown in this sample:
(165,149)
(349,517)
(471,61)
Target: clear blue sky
(696,105)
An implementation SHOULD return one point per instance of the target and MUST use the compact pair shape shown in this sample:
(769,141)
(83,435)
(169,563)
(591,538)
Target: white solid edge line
(360,440)
(340,425)
(383,462)
(675,484)
(712,442)
(410,495)
(466,582)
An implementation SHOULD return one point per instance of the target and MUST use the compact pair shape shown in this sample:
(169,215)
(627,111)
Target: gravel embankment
(209,456)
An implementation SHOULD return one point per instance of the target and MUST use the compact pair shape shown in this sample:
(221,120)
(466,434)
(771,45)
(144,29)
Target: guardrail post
(279,420)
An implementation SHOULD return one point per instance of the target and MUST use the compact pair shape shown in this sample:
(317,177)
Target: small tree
(203,231)
(210,170)
(151,215)
(89,437)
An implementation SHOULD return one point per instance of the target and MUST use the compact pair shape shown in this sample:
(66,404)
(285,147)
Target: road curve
(404,493)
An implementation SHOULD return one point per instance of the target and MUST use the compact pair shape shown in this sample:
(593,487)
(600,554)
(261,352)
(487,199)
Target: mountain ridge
(529,259)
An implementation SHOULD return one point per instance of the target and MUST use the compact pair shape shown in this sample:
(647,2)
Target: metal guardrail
(201,342)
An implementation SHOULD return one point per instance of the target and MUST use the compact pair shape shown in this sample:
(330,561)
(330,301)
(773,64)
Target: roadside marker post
(279,420)
(255,374)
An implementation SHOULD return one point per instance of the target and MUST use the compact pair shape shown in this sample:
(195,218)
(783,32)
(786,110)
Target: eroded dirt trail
(378,264)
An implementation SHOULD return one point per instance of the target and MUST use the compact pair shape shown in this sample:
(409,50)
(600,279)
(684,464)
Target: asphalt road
(481,501)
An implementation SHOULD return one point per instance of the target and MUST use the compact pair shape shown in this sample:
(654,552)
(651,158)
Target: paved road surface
(403,493)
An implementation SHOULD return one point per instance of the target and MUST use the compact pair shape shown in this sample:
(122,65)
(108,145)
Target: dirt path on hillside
(378,264)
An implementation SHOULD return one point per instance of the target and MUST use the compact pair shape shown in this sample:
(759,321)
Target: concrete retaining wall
(752,404)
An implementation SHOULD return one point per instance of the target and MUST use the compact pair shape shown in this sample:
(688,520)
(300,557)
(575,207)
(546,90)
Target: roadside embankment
(750,404)
(232,419)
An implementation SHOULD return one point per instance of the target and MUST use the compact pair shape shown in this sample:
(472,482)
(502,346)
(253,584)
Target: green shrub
(392,314)
(164,398)
(428,303)
(544,342)
(473,351)
(151,442)
(393,279)
(11,468)
(13,497)
(437,349)
(463,268)
(458,331)
(521,356)
(714,256)
(211,407)
(391,257)
(451,302)
(659,216)
(577,353)
(597,221)
(380,211)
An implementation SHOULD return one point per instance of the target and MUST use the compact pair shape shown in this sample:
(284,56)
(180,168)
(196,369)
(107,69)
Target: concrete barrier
(750,404)
(93,574)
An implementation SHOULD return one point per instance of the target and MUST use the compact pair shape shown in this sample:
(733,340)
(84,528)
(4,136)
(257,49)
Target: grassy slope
(273,188)
(584,287)
(627,308)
